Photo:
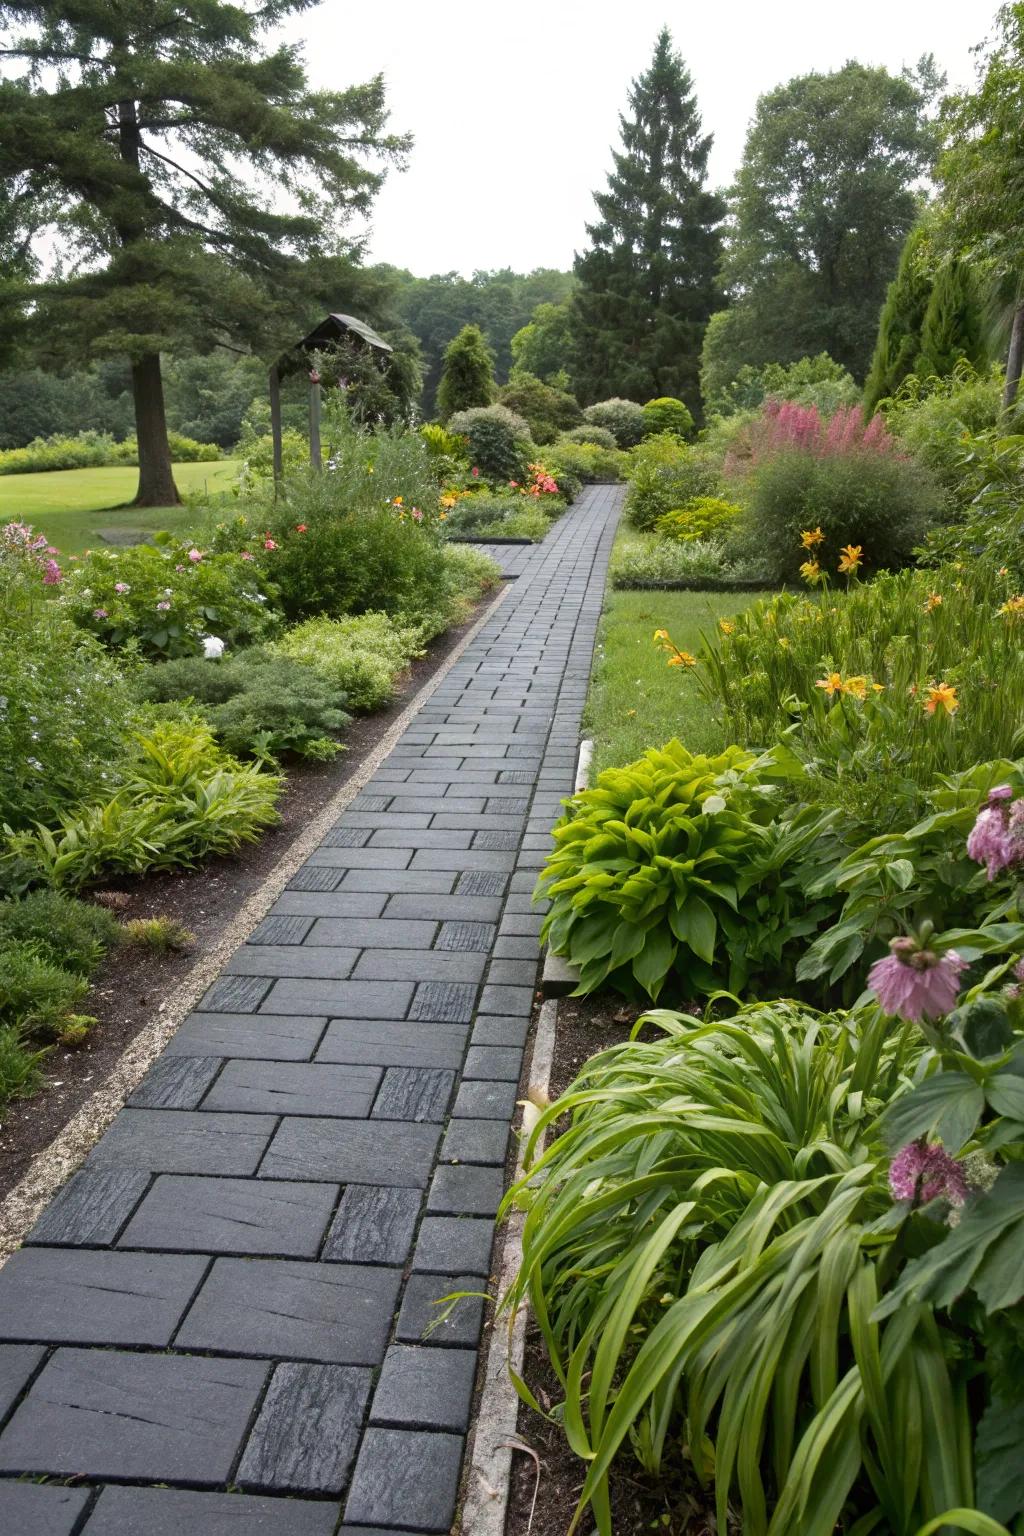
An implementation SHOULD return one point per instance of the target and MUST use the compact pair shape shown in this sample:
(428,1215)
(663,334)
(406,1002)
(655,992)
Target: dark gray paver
(427,1318)
(407,1477)
(91,1209)
(308,1428)
(352,1151)
(35,1509)
(239,1216)
(292,1140)
(253,1036)
(171,1511)
(294,1088)
(293,1310)
(176,1082)
(18,1362)
(61,1294)
(452,1245)
(183,1141)
(425,1388)
(413,1093)
(100,1413)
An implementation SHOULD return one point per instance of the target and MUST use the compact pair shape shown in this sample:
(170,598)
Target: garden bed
(130,985)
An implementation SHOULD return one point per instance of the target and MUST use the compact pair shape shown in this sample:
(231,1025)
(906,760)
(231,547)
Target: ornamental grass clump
(668,875)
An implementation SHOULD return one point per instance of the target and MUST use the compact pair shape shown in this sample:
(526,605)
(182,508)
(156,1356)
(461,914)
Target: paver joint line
(259,1243)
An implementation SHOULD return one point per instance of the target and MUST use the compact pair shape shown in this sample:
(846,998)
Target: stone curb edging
(51,1167)
(489,1463)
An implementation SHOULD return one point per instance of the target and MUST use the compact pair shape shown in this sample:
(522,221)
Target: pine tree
(204,185)
(899,326)
(647,283)
(952,330)
(467,374)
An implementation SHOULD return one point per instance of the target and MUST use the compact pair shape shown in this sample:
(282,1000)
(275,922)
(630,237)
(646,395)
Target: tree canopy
(204,186)
(647,283)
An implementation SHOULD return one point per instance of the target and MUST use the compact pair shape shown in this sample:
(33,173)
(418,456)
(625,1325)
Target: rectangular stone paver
(254,1251)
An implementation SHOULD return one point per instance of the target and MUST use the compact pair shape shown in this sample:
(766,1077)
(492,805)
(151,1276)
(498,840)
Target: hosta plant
(672,873)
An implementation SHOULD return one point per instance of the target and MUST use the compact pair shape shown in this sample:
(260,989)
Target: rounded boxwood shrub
(667,414)
(699,519)
(624,419)
(666,474)
(600,437)
(499,441)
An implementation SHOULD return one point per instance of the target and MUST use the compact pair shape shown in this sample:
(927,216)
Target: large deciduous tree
(982,177)
(647,283)
(823,202)
(204,183)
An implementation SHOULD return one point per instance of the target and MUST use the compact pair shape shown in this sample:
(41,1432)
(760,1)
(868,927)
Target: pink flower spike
(914,984)
(52,574)
(194,556)
(923,1171)
(989,842)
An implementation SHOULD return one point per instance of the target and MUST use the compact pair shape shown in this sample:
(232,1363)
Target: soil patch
(127,989)
(640,1505)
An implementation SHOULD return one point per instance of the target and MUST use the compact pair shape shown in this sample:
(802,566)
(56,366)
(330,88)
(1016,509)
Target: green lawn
(71,505)
(636,700)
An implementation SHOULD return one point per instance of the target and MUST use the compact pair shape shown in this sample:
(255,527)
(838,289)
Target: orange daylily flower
(811,537)
(850,558)
(941,696)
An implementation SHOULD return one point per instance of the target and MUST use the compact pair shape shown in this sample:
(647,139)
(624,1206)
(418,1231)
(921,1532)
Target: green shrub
(624,419)
(640,561)
(499,441)
(182,799)
(256,450)
(258,705)
(20,1067)
(665,473)
(546,411)
(585,462)
(467,373)
(880,502)
(817,381)
(37,997)
(469,573)
(652,869)
(61,930)
(362,657)
(599,437)
(487,515)
(166,596)
(90,450)
(666,414)
(932,416)
(64,710)
(706,1245)
(699,519)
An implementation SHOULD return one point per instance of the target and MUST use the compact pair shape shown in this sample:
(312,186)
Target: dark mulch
(128,988)
(639,1504)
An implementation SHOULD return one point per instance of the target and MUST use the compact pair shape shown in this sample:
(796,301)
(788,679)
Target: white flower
(213,648)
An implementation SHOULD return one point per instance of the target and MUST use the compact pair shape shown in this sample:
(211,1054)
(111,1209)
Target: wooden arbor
(323,338)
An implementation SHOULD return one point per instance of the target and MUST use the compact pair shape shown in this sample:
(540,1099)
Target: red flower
(301,528)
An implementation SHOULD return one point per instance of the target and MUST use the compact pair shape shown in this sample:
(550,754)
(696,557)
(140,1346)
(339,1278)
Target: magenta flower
(52,574)
(100,613)
(923,1171)
(915,983)
(194,556)
(989,842)
(121,586)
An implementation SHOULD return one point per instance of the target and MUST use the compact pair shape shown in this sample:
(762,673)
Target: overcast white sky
(514,106)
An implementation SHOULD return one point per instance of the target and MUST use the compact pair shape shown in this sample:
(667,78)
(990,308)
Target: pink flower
(50,550)
(416,515)
(194,556)
(162,607)
(121,586)
(100,613)
(915,983)
(246,555)
(475,472)
(997,837)
(179,567)
(923,1171)
(269,544)
(52,574)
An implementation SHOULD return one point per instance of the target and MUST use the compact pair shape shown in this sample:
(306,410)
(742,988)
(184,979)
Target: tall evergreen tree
(204,184)
(952,330)
(899,326)
(647,283)
(467,374)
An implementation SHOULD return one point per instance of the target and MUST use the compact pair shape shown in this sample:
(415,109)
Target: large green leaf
(945,1107)
(999,1449)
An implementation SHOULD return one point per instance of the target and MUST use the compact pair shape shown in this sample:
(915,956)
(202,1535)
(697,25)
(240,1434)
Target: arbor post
(275,425)
(315,457)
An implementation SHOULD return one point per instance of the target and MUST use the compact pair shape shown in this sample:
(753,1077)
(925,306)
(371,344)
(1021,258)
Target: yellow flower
(682,659)
(811,572)
(398,501)
(877,687)
(811,537)
(630,713)
(1003,571)
(784,642)
(941,696)
(856,687)
(832,683)
(1013,607)
(850,558)
(442,517)
(661,634)
(934,601)
(726,627)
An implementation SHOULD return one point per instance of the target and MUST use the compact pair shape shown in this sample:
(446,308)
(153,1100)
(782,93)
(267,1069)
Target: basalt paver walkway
(234,1292)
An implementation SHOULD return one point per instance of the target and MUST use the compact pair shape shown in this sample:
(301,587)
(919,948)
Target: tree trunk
(156,477)
(1014,358)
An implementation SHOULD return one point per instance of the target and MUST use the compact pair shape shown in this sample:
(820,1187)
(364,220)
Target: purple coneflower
(916,983)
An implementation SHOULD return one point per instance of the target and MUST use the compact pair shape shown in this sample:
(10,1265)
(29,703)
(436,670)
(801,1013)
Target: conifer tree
(467,373)
(647,283)
(899,325)
(203,183)
(952,330)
